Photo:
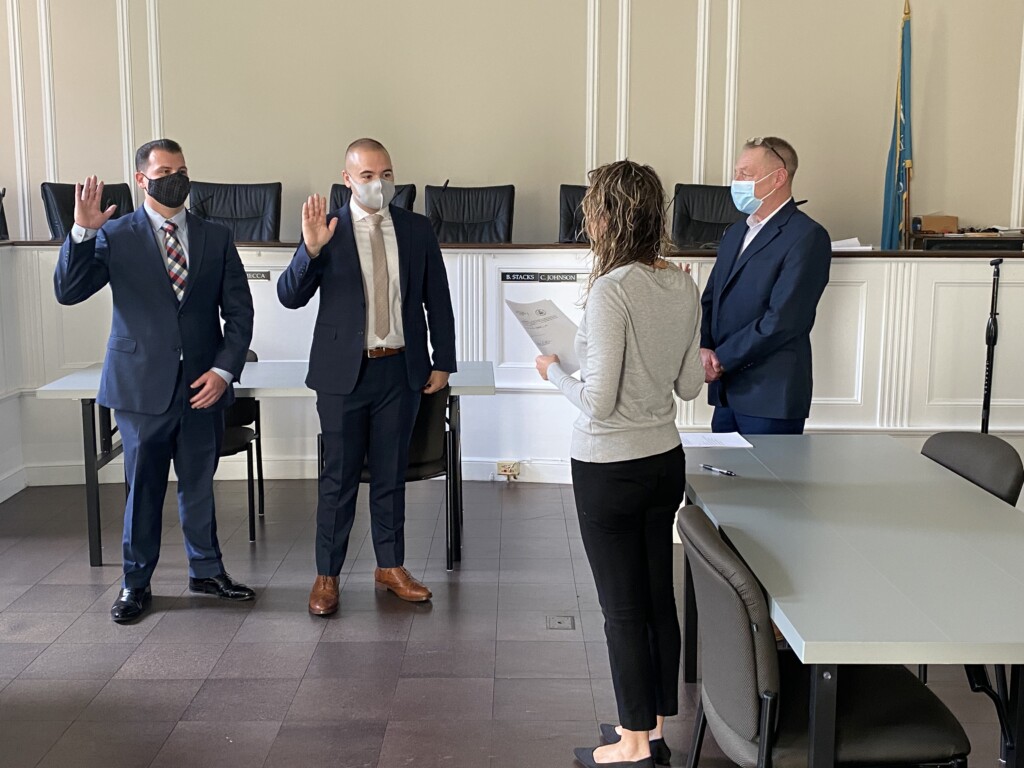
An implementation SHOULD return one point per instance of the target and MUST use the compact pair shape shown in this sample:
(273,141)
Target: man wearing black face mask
(169,366)
(383,290)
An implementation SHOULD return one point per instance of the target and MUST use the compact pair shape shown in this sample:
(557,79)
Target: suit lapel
(153,259)
(404,249)
(728,252)
(196,249)
(345,233)
(768,233)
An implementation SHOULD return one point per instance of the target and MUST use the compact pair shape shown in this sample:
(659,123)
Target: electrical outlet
(508,469)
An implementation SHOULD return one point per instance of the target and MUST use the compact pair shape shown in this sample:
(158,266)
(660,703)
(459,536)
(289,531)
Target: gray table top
(870,552)
(267,379)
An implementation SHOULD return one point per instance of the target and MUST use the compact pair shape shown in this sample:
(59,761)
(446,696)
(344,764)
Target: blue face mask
(743,195)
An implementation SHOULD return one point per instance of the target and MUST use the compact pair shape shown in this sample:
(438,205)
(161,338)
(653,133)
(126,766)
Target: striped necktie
(177,267)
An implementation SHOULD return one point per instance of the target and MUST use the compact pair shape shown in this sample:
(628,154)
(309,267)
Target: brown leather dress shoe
(323,598)
(402,583)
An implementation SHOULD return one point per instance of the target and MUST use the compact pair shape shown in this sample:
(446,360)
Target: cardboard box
(935,222)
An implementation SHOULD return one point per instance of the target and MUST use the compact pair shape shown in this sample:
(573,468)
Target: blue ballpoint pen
(709,468)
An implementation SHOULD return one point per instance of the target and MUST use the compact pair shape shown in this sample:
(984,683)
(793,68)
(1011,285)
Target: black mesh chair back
(428,444)
(405,196)
(4,234)
(471,214)
(59,204)
(570,214)
(701,215)
(251,211)
(986,460)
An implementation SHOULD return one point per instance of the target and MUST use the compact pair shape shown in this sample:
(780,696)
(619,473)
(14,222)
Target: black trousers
(626,510)
(374,423)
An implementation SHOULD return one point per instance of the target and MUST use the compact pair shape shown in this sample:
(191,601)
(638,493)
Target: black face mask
(170,190)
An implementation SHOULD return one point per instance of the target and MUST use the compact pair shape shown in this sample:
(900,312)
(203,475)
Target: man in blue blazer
(169,365)
(761,298)
(383,290)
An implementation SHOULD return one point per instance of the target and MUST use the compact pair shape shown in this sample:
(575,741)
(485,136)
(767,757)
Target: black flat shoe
(223,586)
(585,757)
(131,604)
(659,749)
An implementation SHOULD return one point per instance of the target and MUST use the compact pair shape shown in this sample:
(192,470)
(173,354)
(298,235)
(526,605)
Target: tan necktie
(381,300)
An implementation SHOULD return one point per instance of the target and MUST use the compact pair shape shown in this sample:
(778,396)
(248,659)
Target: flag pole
(908,164)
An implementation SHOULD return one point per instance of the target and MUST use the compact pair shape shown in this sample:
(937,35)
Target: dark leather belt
(376,352)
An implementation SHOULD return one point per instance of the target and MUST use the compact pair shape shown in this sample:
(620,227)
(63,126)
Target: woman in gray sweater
(638,343)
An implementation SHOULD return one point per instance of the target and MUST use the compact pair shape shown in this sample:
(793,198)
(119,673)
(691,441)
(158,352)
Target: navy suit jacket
(151,332)
(339,337)
(758,310)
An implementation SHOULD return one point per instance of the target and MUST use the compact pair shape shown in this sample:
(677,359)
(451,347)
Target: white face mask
(374,195)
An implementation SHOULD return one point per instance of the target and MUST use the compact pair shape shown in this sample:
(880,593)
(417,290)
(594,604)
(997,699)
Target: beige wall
(483,92)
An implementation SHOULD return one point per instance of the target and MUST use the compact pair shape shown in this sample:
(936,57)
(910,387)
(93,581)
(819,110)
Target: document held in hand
(550,329)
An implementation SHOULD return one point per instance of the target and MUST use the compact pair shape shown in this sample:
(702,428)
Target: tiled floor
(475,678)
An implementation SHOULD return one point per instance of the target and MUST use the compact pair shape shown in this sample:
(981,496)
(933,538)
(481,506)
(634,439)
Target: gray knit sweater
(639,342)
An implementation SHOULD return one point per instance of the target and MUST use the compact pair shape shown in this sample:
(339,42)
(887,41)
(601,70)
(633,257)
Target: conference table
(870,553)
(262,380)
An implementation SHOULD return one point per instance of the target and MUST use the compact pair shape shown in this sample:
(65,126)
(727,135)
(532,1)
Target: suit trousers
(626,510)
(727,420)
(191,439)
(372,425)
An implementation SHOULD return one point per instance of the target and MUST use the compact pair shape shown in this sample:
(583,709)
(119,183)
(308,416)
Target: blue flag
(898,169)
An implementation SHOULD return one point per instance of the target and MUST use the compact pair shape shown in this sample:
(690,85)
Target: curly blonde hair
(624,211)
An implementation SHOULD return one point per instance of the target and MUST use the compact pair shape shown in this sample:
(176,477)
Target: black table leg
(450,518)
(92,480)
(689,625)
(821,737)
(1012,752)
(455,429)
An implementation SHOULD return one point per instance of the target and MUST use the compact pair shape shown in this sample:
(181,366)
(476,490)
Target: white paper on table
(849,244)
(714,440)
(550,329)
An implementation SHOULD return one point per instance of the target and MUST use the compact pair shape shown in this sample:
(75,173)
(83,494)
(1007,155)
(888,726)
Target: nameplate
(541,277)
(257,274)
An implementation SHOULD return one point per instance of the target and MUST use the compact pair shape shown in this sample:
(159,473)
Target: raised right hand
(87,204)
(315,230)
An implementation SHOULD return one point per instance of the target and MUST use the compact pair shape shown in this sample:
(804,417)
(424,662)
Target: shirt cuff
(80,234)
(228,377)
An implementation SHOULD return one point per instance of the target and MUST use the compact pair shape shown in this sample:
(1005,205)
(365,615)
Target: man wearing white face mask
(761,299)
(381,277)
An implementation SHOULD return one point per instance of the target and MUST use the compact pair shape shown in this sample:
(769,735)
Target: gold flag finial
(906,9)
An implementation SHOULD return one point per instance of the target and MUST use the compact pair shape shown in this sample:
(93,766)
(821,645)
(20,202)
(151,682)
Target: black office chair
(570,214)
(405,196)
(242,433)
(756,699)
(59,204)
(987,461)
(701,215)
(251,211)
(428,447)
(471,214)
(4,234)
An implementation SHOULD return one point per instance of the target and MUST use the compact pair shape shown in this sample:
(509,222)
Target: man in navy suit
(761,298)
(169,365)
(383,288)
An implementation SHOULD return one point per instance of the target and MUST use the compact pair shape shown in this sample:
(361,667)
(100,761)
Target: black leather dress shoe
(659,749)
(223,586)
(131,604)
(585,757)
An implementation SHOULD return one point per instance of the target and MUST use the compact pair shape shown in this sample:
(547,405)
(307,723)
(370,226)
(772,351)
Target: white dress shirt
(361,230)
(80,234)
(755,226)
